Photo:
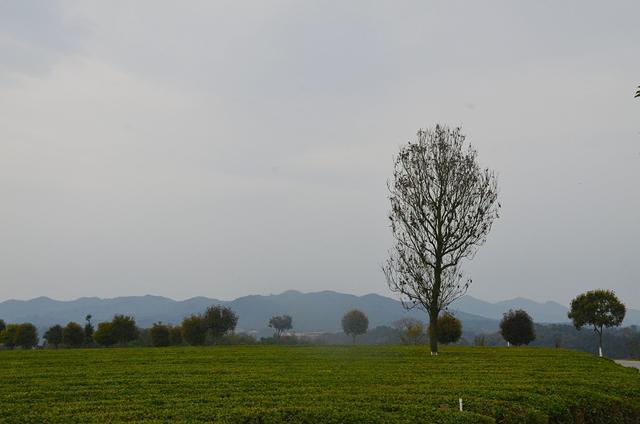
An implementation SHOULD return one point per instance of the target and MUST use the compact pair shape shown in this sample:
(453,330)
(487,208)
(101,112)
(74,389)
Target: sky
(231,148)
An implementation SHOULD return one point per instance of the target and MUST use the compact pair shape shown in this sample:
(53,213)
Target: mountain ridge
(312,312)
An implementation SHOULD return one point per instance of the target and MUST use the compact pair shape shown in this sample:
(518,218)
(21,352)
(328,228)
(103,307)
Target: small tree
(88,331)
(26,336)
(220,320)
(598,308)
(414,332)
(73,335)
(355,323)
(104,335)
(3,325)
(281,323)
(449,328)
(411,330)
(175,336)
(53,336)
(194,330)
(557,341)
(160,335)
(442,208)
(124,329)
(9,335)
(516,327)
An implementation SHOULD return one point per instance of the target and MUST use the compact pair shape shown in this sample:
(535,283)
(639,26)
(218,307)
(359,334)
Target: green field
(264,384)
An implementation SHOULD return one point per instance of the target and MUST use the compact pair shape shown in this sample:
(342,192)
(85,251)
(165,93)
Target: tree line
(214,322)
(599,309)
(209,327)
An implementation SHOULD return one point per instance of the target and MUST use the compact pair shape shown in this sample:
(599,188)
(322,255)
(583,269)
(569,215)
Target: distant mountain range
(312,312)
(547,312)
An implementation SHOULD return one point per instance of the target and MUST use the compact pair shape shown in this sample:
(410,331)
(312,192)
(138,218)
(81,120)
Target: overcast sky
(231,148)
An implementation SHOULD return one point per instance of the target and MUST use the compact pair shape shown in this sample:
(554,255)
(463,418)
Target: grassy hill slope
(310,384)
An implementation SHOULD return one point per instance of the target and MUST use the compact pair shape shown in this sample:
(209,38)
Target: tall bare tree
(442,208)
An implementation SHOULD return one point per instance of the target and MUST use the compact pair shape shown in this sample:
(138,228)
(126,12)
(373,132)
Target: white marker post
(600,351)
(460,404)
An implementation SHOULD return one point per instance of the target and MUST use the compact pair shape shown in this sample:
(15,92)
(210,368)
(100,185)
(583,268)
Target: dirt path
(630,364)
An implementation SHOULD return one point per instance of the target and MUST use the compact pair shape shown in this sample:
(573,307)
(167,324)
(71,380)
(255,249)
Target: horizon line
(262,295)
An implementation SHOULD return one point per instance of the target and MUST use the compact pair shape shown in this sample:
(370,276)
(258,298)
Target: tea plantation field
(316,384)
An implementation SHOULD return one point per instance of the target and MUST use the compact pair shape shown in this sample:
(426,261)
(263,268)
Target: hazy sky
(232,148)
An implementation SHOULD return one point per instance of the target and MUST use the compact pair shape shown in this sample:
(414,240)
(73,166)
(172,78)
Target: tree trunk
(600,343)
(354,339)
(434,311)
(433,332)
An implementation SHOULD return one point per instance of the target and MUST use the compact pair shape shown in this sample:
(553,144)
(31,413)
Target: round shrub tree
(53,336)
(449,329)
(220,320)
(355,323)
(160,335)
(411,330)
(124,329)
(281,323)
(517,327)
(73,335)
(598,308)
(9,335)
(26,335)
(104,335)
(175,336)
(194,330)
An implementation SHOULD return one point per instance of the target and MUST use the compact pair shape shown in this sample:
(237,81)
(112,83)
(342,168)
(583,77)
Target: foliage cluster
(281,323)
(210,326)
(449,329)
(355,323)
(598,308)
(23,335)
(120,330)
(161,335)
(517,327)
(411,331)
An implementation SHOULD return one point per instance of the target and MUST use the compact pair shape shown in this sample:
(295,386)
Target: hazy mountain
(312,312)
(322,311)
(547,312)
(43,311)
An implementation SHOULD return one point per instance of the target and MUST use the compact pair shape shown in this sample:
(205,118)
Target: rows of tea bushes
(310,384)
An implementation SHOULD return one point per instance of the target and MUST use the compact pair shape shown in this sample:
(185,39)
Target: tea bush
(316,384)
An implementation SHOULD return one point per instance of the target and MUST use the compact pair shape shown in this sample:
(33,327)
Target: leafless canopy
(442,208)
